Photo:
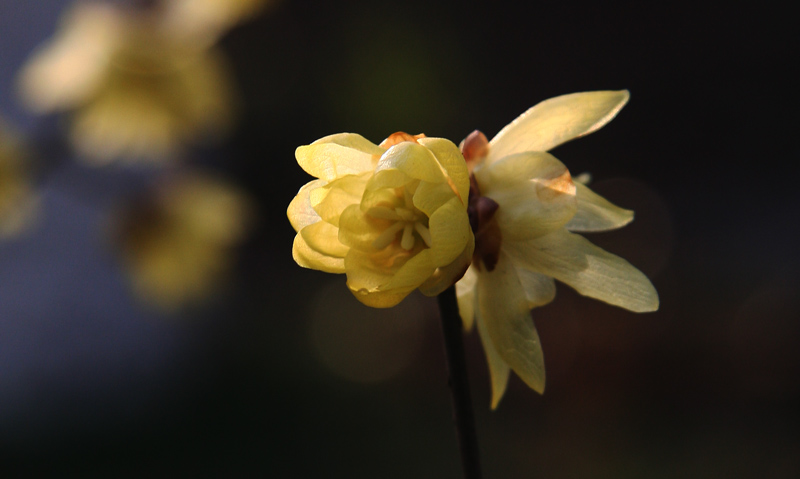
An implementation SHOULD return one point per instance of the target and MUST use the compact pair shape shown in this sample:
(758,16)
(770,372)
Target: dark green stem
(459,384)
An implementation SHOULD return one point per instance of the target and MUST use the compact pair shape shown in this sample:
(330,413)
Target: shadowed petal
(593,272)
(503,309)
(596,213)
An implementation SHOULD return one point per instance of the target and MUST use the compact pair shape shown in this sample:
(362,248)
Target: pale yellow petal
(368,273)
(535,193)
(358,230)
(413,273)
(331,200)
(446,276)
(323,238)
(306,257)
(503,309)
(596,213)
(499,370)
(329,161)
(429,197)
(414,160)
(539,289)
(465,293)
(450,232)
(593,272)
(353,141)
(556,121)
(452,161)
(300,212)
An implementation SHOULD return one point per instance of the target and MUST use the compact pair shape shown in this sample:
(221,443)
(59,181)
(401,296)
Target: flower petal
(307,257)
(414,160)
(535,193)
(499,370)
(329,161)
(596,213)
(503,309)
(556,121)
(450,232)
(368,275)
(300,211)
(539,289)
(324,238)
(354,141)
(465,292)
(332,199)
(446,276)
(452,161)
(593,272)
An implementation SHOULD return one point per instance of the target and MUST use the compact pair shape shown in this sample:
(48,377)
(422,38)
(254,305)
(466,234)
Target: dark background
(288,376)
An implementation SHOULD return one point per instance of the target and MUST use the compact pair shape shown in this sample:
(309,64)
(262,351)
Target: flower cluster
(414,212)
(140,83)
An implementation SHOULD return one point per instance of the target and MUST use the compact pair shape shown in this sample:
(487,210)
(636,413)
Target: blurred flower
(206,20)
(177,243)
(392,217)
(18,201)
(523,207)
(136,90)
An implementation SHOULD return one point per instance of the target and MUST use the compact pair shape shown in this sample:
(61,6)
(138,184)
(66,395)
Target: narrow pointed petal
(465,293)
(593,272)
(556,121)
(596,213)
(499,370)
(503,308)
(300,212)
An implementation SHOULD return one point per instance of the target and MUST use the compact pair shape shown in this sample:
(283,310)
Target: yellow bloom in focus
(392,217)
(136,89)
(178,242)
(18,201)
(524,207)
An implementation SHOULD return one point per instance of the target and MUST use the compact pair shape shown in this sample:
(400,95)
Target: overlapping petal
(391,218)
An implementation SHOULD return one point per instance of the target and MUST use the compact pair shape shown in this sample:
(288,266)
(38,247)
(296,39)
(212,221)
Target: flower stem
(459,383)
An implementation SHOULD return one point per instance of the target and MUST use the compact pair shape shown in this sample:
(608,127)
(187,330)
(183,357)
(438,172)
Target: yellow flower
(136,89)
(524,207)
(392,217)
(18,201)
(177,243)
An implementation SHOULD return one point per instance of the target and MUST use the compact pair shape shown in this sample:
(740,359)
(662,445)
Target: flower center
(406,221)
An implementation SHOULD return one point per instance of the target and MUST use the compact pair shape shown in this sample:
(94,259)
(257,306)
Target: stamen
(424,233)
(406,214)
(408,237)
(388,235)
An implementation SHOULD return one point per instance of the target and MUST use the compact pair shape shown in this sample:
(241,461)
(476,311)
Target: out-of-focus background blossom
(277,371)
